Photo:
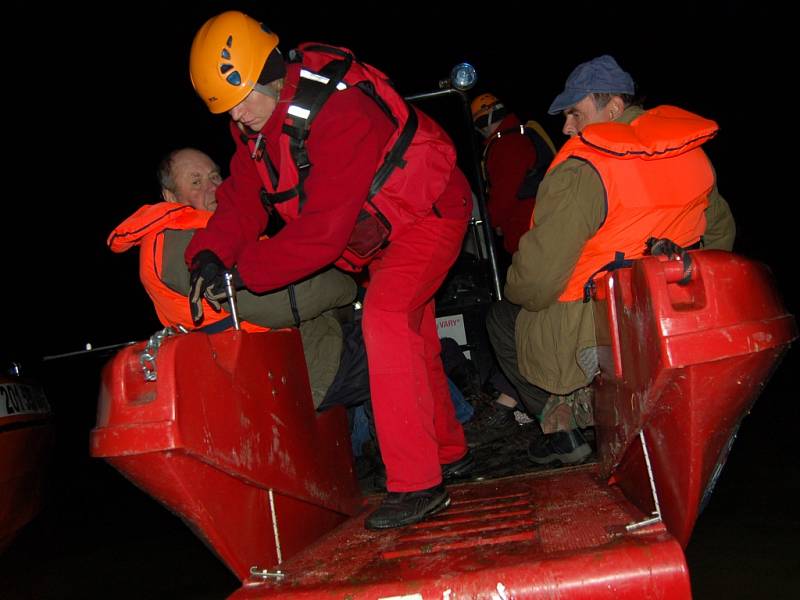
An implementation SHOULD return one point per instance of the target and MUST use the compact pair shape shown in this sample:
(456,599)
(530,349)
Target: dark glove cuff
(207,263)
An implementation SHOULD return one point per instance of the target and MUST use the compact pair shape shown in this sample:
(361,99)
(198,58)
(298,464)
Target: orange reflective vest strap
(146,229)
(411,185)
(656,179)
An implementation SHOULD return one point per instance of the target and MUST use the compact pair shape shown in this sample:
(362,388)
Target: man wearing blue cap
(625,175)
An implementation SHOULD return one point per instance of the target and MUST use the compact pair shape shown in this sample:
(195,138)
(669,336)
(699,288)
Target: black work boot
(460,468)
(404,508)
(561,447)
(494,423)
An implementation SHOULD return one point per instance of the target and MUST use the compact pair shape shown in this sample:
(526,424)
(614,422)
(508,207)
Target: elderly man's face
(196,180)
(585,113)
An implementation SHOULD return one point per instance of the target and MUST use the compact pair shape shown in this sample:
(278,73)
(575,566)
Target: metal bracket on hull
(257,572)
(265,574)
(656,518)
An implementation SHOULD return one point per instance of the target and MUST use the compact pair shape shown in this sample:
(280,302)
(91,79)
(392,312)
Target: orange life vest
(656,179)
(145,228)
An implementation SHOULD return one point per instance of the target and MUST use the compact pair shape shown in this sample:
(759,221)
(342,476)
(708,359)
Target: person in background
(625,175)
(515,158)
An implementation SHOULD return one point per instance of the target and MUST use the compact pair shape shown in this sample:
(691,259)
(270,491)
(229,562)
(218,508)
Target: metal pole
(481,198)
(231,293)
(480,195)
(89,350)
(436,94)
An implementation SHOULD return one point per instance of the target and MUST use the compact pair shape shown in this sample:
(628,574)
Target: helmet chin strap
(489,121)
(486,130)
(498,106)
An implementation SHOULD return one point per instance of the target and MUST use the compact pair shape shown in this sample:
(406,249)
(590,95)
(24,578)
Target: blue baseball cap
(599,75)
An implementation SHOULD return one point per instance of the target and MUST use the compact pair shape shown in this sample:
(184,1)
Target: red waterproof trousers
(414,415)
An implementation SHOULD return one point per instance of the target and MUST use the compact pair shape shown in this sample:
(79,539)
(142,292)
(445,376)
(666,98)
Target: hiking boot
(458,469)
(494,423)
(561,447)
(404,508)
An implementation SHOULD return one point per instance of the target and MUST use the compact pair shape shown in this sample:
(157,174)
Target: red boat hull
(683,364)
(228,439)
(26,443)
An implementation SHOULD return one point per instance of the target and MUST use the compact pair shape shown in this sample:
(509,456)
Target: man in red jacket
(324,144)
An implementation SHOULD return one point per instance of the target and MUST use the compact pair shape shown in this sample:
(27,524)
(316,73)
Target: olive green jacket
(553,337)
(315,298)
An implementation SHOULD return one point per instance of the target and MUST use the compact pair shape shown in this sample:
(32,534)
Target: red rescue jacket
(412,185)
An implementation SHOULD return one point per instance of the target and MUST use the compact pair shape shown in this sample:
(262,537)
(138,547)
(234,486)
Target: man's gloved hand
(216,292)
(206,281)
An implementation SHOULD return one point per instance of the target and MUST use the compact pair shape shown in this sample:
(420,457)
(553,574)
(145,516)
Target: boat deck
(533,535)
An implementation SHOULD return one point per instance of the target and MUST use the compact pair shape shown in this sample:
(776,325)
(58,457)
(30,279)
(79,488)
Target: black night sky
(108,95)
(94,97)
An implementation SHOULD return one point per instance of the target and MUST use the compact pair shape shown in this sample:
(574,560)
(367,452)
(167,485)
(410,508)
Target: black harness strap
(221,325)
(269,200)
(274,177)
(394,158)
(534,176)
(655,247)
(668,248)
(293,305)
(311,95)
(619,262)
(369,89)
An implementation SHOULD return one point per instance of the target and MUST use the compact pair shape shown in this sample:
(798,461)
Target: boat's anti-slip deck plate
(536,535)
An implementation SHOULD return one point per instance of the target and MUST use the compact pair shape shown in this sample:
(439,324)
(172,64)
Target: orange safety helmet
(226,59)
(483,105)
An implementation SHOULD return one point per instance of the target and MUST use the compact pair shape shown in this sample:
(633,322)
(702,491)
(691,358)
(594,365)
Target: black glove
(216,292)
(206,280)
